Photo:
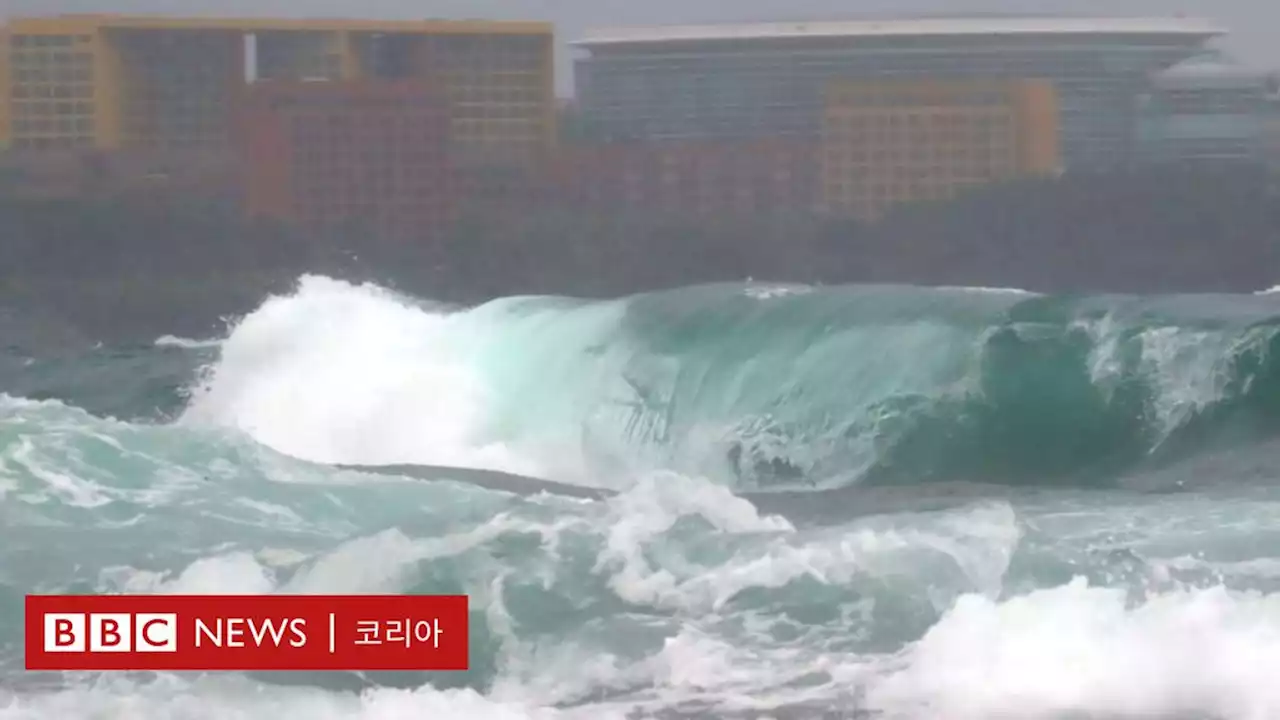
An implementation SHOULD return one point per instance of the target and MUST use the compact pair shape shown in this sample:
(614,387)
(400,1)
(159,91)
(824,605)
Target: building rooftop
(76,23)
(918,27)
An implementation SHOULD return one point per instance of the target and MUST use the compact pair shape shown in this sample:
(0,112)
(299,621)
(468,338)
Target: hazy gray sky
(1254,24)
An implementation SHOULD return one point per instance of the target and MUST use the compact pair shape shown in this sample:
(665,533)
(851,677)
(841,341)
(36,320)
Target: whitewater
(818,502)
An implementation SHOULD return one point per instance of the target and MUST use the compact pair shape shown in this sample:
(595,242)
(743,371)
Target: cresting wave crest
(756,387)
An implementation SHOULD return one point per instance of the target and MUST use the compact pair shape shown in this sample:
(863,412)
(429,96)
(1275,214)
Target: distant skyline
(1253,25)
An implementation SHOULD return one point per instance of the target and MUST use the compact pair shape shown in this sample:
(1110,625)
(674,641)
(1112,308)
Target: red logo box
(247,632)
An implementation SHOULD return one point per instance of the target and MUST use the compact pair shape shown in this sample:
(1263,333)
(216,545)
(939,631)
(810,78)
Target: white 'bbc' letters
(110,632)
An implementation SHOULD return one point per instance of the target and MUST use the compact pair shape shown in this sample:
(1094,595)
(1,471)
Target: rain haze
(880,359)
(1252,23)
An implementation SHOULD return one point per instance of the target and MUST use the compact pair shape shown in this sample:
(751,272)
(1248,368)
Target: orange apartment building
(890,142)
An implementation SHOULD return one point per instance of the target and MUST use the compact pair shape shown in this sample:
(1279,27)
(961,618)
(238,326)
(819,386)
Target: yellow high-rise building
(6,101)
(171,84)
(893,141)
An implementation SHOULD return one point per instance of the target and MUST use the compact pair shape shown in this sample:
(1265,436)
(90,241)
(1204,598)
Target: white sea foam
(186,343)
(352,374)
(769,292)
(1073,651)
(990,290)
(1080,651)
(237,573)
(221,697)
(1188,368)
(1070,651)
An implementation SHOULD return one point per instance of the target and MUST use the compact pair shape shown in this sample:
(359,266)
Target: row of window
(53,126)
(299,66)
(722,122)
(336,132)
(777,89)
(48,41)
(180,113)
(46,61)
(627,87)
(190,109)
(917,126)
(171,141)
(195,123)
(493,111)
(525,100)
(877,202)
(743,164)
(917,143)
(943,116)
(358,103)
(866,183)
(370,159)
(751,115)
(52,142)
(481,76)
(402,219)
(687,195)
(369,191)
(61,76)
(389,139)
(497,129)
(173,114)
(747,163)
(746,202)
(885,198)
(176,126)
(916,157)
(40,108)
(325,202)
(177,143)
(353,173)
(910,98)
(495,57)
(181,43)
(495,92)
(180,78)
(876,194)
(630,90)
(718,172)
(856,183)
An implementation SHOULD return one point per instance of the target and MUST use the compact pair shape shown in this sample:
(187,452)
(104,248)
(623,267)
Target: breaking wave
(760,388)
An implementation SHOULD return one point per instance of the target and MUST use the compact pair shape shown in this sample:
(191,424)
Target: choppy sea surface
(835,502)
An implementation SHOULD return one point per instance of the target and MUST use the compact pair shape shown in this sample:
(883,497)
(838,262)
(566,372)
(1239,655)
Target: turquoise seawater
(879,502)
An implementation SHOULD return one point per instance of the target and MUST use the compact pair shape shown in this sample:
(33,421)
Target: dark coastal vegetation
(133,265)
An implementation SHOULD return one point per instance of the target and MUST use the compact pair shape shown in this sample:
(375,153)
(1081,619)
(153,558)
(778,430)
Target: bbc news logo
(110,632)
(238,632)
